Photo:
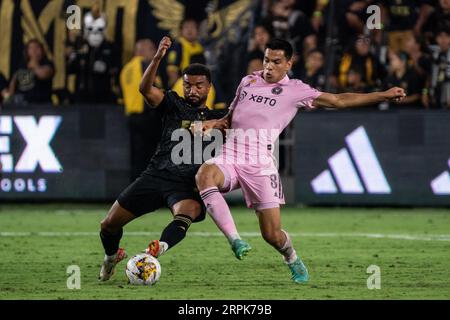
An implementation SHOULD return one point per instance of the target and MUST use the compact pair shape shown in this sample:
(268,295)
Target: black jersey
(177,113)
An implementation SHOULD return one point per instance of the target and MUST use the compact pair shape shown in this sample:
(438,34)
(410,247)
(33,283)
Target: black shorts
(156,189)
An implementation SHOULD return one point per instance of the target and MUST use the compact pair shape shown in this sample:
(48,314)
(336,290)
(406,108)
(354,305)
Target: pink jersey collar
(259,74)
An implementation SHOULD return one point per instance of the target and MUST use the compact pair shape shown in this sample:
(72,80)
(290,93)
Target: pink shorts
(261,186)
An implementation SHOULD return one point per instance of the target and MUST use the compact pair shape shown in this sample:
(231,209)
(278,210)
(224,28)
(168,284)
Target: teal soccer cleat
(240,248)
(298,271)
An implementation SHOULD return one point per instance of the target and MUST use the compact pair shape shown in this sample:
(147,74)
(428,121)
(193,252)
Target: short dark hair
(266,26)
(315,50)
(198,69)
(188,19)
(443,29)
(27,45)
(280,44)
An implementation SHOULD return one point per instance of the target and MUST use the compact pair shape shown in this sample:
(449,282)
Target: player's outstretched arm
(153,95)
(351,100)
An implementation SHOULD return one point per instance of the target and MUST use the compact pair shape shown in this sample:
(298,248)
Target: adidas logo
(353,170)
(441,184)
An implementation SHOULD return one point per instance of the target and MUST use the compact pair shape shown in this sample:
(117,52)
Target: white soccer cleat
(109,264)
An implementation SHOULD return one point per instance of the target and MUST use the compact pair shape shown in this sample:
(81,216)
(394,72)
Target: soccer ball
(143,269)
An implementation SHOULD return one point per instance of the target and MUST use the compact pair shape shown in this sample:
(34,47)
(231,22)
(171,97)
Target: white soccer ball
(143,269)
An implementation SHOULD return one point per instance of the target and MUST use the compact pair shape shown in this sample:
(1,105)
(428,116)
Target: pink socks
(220,212)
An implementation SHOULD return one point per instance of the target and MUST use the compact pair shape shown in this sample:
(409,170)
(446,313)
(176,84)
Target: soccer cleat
(109,264)
(153,248)
(240,248)
(298,271)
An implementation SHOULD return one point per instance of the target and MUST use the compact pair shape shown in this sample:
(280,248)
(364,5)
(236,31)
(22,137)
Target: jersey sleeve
(167,104)
(238,93)
(306,95)
(217,114)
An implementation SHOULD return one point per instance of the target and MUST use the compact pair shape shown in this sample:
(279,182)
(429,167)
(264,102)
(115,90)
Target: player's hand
(33,64)
(221,124)
(164,44)
(207,126)
(395,94)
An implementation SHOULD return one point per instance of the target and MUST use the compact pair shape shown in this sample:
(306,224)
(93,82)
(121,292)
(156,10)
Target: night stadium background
(364,187)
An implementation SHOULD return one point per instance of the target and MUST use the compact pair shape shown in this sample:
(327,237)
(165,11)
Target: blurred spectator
(255,64)
(94,61)
(418,53)
(74,40)
(355,83)
(356,16)
(3,88)
(313,73)
(426,8)
(308,6)
(360,60)
(401,75)
(439,18)
(440,82)
(262,33)
(144,123)
(403,18)
(316,12)
(420,60)
(292,25)
(32,82)
(184,51)
(351,17)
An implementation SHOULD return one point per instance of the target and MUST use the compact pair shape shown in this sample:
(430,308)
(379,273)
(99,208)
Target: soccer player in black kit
(164,183)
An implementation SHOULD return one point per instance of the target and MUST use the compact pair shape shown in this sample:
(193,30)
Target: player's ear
(289,64)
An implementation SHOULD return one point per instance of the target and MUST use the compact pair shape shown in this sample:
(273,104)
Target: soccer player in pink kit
(266,101)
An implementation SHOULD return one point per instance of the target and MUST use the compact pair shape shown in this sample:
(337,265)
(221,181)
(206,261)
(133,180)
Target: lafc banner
(128,21)
(381,158)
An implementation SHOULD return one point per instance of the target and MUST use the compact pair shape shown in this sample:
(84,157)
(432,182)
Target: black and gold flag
(128,21)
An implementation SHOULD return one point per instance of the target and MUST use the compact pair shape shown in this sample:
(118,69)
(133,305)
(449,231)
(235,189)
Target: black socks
(111,241)
(176,230)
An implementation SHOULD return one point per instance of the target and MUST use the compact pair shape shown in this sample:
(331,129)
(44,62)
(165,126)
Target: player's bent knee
(195,210)
(105,226)
(205,177)
(188,208)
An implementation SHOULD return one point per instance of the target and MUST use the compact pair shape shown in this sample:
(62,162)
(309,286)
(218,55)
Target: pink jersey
(267,108)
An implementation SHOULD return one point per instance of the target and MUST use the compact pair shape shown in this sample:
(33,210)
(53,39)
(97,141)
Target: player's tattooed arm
(152,95)
(350,100)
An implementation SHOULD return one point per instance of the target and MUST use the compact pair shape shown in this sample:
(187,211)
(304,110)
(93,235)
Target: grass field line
(414,237)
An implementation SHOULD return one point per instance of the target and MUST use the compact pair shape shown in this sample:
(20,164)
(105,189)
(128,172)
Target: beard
(196,101)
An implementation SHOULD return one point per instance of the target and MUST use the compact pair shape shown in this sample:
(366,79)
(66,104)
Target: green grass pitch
(410,246)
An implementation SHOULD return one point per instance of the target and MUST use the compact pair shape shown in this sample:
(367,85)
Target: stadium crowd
(410,48)
(336,52)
